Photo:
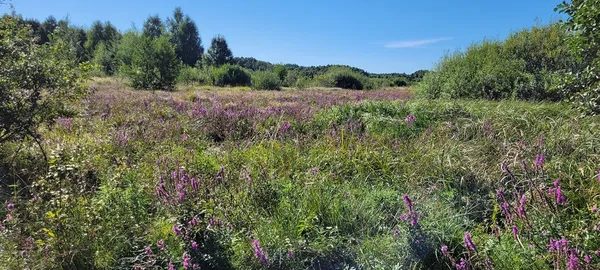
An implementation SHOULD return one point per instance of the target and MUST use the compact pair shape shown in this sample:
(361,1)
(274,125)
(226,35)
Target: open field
(324,179)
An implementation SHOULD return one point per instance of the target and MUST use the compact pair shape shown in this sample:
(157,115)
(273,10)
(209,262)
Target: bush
(190,75)
(230,75)
(265,80)
(342,78)
(520,67)
(37,82)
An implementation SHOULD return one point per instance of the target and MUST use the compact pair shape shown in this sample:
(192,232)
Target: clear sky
(376,35)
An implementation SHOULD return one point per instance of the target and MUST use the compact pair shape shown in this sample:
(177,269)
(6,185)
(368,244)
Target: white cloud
(414,43)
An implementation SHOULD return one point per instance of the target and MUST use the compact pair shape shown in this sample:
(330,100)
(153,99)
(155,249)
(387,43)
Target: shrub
(37,82)
(519,67)
(399,82)
(342,78)
(190,75)
(230,75)
(265,80)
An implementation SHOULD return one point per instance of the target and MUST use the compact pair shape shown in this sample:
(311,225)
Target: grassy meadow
(303,179)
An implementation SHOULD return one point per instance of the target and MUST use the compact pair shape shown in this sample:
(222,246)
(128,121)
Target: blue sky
(378,36)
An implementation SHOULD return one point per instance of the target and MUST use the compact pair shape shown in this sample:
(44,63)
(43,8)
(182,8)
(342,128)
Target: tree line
(168,51)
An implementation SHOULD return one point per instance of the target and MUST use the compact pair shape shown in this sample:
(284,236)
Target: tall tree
(95,35)
(47,29)
(153,27)
(219,53)
(185,37)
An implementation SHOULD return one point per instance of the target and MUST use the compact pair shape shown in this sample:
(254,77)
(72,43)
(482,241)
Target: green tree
(185,37)
(47,29)
(219,53)
(95,35)
(153,27)
(154,64)
(126,47)
(37,82)
(281,71)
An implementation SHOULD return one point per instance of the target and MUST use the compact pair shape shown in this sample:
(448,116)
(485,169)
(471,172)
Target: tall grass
(303,179)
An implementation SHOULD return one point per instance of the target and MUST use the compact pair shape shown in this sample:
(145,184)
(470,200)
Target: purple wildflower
(177,230)
(10,207)
(410,119)
(539,162)
(171,266)
(186,261)
(396,232)
(469,242)
(194,245)
(462,265)
(408,203)
(515,231)
(588,258)
(285,126)
(148,251)
(194,184)
(290,255)
(315,170)
(597,252)
(160,244)
(445,251)
(195,266)
(521,208)
(403,217)
(259,253)
(573,261)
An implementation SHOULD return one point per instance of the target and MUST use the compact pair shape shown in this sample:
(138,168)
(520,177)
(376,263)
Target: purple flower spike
(539,162)
(10,207)
(469,242)
(408,203)
(515,231)
(186,261)
(194,245)
(259,253)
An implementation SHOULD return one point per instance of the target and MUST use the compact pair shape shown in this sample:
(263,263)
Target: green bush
(520,67)
(190,75)
(265,80)
(37,82)
(230,75)
(342,78)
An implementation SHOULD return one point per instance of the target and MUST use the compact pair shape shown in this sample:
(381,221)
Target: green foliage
(154,64)
(191,75)
(266,80)
(185,36)
(342,78)
(583,21)
(219,53)
(522,66)
(229,75)
(126,48)
(105,60)
(153,27)
(37,82)
(281,72)
(251,63)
